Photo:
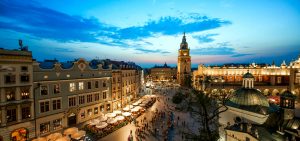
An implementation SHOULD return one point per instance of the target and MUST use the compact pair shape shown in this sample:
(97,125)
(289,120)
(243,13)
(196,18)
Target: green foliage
(178,97)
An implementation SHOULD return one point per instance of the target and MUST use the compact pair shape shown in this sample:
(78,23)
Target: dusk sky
(149,32)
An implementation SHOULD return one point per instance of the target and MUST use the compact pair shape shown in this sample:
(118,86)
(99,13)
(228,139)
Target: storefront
(20,135)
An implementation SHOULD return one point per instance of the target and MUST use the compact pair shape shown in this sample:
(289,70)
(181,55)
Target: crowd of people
(160,124)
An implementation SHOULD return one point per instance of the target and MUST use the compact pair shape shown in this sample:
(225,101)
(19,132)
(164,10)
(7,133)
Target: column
(32,110)
(19,113)
(252,84)
(3,117)
(243,82)
(2,98)
(18,94)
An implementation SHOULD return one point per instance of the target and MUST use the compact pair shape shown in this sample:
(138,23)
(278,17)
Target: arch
(275,92)
(266,92)
(282,91)
(20,134)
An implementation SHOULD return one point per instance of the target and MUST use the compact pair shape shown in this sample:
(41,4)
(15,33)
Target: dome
(248,75)
(249,100)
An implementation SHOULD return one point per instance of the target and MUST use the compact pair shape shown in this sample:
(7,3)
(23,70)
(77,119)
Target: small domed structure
(248,102)
(248,75)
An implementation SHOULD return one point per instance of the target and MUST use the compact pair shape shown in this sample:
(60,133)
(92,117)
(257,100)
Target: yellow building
(163,73)
(270,79)
(184,62)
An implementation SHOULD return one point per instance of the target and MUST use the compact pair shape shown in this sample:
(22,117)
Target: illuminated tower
(184,62)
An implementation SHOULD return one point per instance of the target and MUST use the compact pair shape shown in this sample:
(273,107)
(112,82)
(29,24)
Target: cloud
(64,50)
(219,49)
(151,51)
(38,21)
(205,38)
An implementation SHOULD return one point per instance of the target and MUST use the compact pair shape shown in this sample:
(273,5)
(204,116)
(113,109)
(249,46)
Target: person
(130,137)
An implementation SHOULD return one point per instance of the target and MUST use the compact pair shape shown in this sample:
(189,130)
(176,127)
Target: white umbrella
(138,107)
(117,112)
(130,106)
(78,135)
(143,105)
(126,109)
(135,104)
(111,115)
(101,125)
(111,121)
(134,110)
(126,114)
(94,121)
(119,118)
(103,118)
(70,131)
(54,136)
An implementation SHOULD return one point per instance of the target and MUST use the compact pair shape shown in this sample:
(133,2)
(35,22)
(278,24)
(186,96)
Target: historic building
(69,93)
(163,73)
(269,79)
(39,98)
(184,62)
(16,95)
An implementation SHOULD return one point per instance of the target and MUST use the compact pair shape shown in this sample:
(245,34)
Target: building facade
(68,94)
(163,73)
(271,80)
(184,62)
(16,95)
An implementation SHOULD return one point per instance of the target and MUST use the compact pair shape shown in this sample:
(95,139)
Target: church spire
(184,44)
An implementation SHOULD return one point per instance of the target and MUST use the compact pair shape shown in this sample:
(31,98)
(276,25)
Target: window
(10,94)
(10,79)
(45,127)
(104,95)
(44,90)
(107,107)
(24,68)
(89,98)
(80,87)
(57,124)
(25,93)
(278,79)
(89,111)
(56,104)
(56,89)
(72,101)
(95,110)
(25,112)
(102,108)
(89,86)
(72,87)
(104,84)
(82,115)
(97,97)
(11,115)
(44,106)
(81,99)
(24,78)
(96,84)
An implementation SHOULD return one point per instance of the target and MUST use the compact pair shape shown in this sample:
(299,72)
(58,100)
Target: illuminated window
(57,124)
(80,86)
(25,93)
(72,87)
(45,127)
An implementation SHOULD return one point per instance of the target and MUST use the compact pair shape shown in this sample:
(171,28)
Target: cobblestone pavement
(162,105)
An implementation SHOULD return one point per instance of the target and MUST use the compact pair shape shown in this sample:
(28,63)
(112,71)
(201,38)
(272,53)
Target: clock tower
(184,62)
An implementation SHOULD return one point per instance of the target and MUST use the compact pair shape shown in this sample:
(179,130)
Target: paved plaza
(162,105)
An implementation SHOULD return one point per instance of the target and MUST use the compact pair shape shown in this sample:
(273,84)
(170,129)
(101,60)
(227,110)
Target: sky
(149,32)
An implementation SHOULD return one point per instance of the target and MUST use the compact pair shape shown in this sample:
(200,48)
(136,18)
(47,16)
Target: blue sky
(149,32)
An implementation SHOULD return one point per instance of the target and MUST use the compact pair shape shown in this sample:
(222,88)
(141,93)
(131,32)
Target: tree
(206,110)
